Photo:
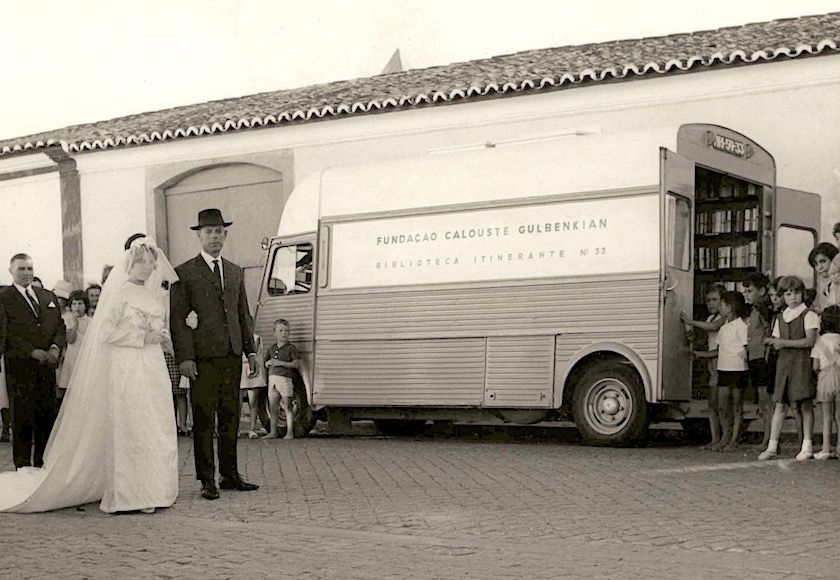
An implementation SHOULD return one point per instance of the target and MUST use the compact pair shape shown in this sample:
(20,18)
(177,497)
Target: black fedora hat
(210,217)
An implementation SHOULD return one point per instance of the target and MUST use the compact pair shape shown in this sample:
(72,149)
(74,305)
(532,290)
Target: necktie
(218,273)
(33,302)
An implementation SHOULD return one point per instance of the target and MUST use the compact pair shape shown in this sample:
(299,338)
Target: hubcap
(609,406)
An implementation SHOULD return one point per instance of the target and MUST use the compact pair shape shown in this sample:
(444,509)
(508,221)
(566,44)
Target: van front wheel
(609,405)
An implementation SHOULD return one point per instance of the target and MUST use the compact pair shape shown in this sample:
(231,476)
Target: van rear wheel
(609,405)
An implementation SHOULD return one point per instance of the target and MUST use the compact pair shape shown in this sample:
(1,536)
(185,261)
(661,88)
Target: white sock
(773,445)
(807,445)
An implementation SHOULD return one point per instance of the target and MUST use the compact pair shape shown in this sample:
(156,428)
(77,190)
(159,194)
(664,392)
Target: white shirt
(27,295)
(733,337)
(209,259)
(826,350)
(812,320)
(713,335)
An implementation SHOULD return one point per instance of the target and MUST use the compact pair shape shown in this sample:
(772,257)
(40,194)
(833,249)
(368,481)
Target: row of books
(725,188)
(740,256)
(725,221)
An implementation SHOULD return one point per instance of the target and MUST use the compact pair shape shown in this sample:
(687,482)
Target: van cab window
(291,270)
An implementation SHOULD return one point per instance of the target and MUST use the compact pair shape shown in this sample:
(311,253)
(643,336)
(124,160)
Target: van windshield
(291,270)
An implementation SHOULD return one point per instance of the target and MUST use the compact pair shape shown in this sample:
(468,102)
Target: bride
(114,439)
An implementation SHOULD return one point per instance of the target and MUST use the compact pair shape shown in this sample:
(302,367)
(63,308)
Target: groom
(212,290)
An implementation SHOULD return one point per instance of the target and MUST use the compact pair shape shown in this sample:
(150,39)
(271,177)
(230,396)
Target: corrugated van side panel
(400,372)
(520,371)
(296,308)
(607,306)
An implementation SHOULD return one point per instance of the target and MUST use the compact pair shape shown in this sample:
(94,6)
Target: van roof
(566,165)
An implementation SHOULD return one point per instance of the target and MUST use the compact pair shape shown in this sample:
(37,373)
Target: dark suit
(31,384)
(225,330)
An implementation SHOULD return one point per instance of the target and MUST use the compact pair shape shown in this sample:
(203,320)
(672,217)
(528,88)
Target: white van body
(518,281)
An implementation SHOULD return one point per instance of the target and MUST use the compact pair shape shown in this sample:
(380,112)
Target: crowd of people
(784,340)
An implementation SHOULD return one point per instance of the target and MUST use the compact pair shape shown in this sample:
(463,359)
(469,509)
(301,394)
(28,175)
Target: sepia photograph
(401,289)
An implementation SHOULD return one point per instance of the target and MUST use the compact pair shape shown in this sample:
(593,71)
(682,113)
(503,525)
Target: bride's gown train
(115,438)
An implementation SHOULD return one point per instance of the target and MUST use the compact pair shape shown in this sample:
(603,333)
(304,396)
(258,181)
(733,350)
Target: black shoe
(209,490)
(237,483)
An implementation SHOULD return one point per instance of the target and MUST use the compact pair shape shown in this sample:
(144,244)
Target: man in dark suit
(212,290)
(31,337)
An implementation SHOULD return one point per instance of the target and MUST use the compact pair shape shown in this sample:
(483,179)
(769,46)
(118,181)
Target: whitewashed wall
(113,208)
(789,107)
(30,222)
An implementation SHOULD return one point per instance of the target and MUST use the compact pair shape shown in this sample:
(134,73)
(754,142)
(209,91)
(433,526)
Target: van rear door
(676,274)
(796,221)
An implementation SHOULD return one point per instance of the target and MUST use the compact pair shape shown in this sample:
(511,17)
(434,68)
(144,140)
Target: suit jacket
(224,321)
(21,331)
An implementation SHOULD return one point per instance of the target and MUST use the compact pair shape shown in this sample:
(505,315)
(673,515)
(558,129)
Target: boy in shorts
(758,327)
(711,325)
(281,360)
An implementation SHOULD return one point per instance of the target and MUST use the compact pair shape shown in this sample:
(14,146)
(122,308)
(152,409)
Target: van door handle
(669,288)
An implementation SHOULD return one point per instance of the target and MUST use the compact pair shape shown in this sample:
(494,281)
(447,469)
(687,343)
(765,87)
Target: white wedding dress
(115,438)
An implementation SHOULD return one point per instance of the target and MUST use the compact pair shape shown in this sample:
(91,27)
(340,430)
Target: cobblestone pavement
(464,506)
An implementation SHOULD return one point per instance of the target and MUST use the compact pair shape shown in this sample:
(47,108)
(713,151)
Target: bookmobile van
(525,283)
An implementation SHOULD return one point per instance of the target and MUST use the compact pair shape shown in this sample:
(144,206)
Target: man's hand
(39,354)
(252,366)
(188,369)
(53,354)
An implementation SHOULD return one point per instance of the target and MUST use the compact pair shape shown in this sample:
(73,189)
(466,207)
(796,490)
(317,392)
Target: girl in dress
(794,334)
(826,357)
(76,321)
(256,389)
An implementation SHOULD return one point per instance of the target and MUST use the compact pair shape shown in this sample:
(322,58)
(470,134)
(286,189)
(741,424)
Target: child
(827,291)
(180,391)
(755,294)
(281,361)
(76,321)
(255,388)
(732,367)
(712,324)
(794,334)
(826,357)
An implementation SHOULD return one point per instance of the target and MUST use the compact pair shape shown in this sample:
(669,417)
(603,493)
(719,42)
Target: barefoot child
(826,357)
(758,323)
(733,370)
(711,326)
(281,361)
(794,334)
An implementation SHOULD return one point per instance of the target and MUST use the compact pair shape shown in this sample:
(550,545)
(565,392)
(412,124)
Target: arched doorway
(251,196)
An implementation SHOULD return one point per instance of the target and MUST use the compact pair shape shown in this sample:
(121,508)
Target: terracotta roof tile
(545,69)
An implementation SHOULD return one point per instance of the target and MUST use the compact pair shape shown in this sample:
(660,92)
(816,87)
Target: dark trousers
(31,387)
(215,393)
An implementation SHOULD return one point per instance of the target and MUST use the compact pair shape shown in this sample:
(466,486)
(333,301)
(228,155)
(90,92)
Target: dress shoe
(237,483)
(209,490)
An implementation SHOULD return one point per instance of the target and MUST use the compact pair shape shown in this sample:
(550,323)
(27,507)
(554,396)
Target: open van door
(796,221)
(676,190)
